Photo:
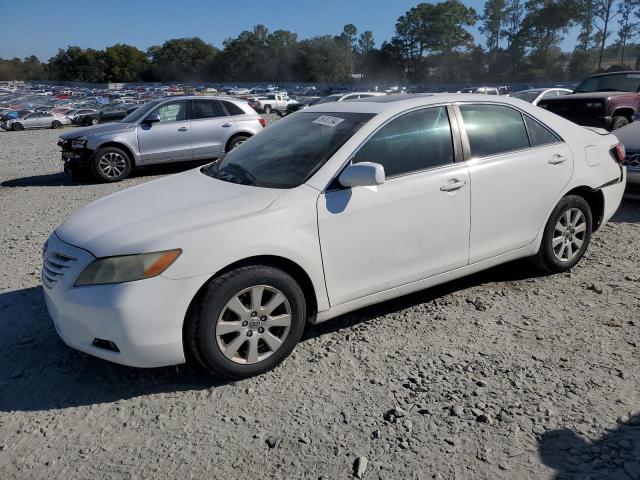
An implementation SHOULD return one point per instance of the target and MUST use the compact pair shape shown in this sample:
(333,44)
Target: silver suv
(161,131)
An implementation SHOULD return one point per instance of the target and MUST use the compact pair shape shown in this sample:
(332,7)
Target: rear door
(170,139)
(518,168)
(210,128)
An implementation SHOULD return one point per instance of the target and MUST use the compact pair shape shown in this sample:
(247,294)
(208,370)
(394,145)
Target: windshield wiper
(246,173)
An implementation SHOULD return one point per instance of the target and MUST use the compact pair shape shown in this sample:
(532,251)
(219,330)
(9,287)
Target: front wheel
(267,109)
(110,164)
(17,127)
(566,235)
(94,121)
(56,124)
(247,321)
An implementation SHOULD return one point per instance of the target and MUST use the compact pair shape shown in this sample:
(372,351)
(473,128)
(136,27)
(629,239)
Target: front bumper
(143,319)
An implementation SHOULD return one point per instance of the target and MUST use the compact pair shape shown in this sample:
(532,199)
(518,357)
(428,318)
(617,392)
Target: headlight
(127,268)
(79,143)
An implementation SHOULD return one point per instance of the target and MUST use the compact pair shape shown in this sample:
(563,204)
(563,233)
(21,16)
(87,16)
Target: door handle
(183,129)
(226,125)
(455,185)
(557,159)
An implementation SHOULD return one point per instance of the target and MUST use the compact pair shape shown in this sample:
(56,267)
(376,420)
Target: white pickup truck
(273,102)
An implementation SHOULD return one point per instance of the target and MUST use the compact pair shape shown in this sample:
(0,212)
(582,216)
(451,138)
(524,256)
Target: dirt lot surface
(504,375)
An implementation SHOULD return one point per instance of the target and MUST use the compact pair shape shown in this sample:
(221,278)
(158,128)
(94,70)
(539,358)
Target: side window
(493,129)
(415,141)
(207,109)
(550,94)
(232,109)
(172,111)
(562,93)
(538,133)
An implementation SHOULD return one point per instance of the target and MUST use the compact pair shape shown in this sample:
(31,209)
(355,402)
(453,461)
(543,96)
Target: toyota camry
(333,208)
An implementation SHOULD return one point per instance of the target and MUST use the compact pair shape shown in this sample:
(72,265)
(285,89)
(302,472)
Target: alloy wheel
(569,234)
(253,324)
(112,165)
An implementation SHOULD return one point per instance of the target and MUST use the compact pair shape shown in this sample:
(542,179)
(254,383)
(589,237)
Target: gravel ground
(505,374)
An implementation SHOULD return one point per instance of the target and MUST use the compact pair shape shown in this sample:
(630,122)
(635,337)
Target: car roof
(636,72)
(400,102)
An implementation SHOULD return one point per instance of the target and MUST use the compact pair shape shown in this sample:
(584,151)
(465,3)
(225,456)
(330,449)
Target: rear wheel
(619,122)
(267,109)
(110,164)
(566,235)
(237,141)
(56,124)
(247,321)
(17,127)
(94,121)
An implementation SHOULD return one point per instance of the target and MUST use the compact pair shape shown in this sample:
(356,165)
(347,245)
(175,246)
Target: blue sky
(41,27)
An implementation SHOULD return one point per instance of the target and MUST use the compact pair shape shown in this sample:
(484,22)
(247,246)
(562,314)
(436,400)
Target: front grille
(632,161)
(54,267)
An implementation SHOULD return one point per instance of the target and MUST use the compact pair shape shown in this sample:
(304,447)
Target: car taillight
(619,153)
(262,122)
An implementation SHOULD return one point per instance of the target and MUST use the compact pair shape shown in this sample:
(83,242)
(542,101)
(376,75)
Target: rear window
(233,109)
(493,129)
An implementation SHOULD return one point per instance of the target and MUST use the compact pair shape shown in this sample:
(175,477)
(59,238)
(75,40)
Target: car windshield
(623,82)
(140,113)
(527,95)
(289,152)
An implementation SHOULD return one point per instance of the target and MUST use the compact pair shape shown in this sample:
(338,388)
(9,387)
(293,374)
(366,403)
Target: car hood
(97,129)
(141,218)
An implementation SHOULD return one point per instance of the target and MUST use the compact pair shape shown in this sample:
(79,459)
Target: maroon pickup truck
(606,100)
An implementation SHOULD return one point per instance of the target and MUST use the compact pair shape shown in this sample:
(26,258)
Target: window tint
(207,109)
(550,93)
(538,133)
(172,111)
(493,129)
(415,141)
(233,109)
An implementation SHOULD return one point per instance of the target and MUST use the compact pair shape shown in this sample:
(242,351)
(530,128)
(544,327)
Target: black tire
(200,328)
(17,127)
(547,257)
(619,122)
(235,141)
(103,175)
(94,121)
(56,124)
(267,109)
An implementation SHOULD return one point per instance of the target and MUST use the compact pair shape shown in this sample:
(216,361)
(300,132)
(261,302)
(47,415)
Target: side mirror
(152,118)
(365,174)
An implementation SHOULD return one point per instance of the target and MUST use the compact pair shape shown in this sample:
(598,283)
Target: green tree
(603,12)
(366,44)
(124,63)
(77,64)
(493,18)
(184,59)
(628,24)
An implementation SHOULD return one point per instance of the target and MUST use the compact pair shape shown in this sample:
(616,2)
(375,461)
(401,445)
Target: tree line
(432,43)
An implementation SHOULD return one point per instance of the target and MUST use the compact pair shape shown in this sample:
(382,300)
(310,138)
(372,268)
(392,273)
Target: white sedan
(334,208)
(534,95)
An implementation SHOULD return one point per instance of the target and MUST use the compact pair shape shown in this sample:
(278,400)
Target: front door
(413,226)
(168,140)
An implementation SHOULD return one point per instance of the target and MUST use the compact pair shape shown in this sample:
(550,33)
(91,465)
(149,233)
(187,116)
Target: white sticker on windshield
(328,120)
